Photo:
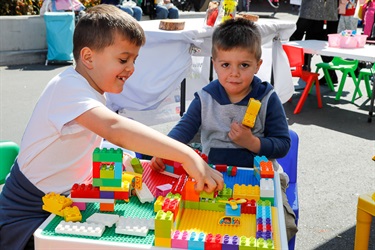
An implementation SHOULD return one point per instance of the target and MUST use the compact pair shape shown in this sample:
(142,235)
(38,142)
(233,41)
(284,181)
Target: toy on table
(179,209)
(347,39)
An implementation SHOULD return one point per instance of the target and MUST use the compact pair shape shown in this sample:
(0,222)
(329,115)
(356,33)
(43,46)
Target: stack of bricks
(108,182)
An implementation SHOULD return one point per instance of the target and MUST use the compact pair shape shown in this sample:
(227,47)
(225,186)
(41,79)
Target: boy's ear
(86,57)
(258,65)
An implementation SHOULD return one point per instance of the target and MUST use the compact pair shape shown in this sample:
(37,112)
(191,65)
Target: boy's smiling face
(235,69)
(108,69)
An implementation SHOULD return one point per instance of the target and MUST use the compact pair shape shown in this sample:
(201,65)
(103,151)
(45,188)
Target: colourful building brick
(213,242)
(189,193)
(251,113)
(247,243)
(107,155)
(84,191)
(55,203)
(163,224)
(179,185)
(230,242)
(180,239)
(266,169)
(248,192)
(72,214)
(196,241)
(137,166)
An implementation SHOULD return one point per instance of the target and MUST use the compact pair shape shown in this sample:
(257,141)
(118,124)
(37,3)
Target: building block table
(45,236)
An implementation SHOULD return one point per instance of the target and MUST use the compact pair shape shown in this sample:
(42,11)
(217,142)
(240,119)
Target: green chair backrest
(340,61)
(8,153)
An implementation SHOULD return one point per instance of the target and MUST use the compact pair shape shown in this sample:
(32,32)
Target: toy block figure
(252,111)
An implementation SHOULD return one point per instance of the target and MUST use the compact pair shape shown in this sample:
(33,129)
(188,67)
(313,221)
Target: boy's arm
(135,136)
(276,141)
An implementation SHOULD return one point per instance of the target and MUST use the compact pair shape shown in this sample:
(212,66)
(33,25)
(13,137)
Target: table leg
(372,99)
(183,97)
(362,231)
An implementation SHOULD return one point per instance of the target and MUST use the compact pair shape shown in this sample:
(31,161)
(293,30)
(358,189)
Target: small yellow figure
(252,111)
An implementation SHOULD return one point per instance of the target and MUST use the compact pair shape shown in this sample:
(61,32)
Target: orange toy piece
(266,169)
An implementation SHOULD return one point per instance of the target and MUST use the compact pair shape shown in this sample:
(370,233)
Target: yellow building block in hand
(252,111)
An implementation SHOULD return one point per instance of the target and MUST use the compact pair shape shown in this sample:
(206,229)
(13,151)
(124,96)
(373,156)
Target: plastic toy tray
(191,219)
(340,41)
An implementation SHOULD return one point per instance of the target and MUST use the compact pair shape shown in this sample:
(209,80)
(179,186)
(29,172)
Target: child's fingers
(157,164)
(210,185)
(199,185)
(218,178)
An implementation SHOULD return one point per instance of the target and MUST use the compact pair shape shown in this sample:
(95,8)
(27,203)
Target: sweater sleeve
(276,141)
(189,125)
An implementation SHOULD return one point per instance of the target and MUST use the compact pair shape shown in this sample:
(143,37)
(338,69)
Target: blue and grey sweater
(212,112)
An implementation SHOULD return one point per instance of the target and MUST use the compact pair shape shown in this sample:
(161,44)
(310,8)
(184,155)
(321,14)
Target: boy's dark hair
(98,27)
(237,33)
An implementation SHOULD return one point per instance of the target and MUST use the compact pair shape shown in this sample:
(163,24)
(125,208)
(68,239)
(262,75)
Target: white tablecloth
(167,58)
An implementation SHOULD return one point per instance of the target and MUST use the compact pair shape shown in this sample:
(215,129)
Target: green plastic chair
(365,74)
(346,67)
(8,153)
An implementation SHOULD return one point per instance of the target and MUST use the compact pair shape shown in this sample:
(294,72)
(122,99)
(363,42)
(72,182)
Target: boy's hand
(242,136)
(212,181)
(207,179)
(239,134)
(157,164)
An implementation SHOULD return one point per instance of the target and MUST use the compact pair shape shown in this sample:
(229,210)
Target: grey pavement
(335,151)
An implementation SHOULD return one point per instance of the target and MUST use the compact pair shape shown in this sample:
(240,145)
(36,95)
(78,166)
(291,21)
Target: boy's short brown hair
(237,33)
(98,27)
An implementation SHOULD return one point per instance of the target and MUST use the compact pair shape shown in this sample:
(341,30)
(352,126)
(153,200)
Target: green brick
(107,155)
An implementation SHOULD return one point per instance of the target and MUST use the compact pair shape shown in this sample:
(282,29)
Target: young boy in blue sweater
(219,108)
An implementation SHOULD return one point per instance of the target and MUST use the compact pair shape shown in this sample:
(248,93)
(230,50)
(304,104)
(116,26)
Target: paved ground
(336,147)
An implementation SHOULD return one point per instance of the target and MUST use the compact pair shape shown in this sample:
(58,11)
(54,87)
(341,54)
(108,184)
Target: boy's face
(112,66)
(235,69)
